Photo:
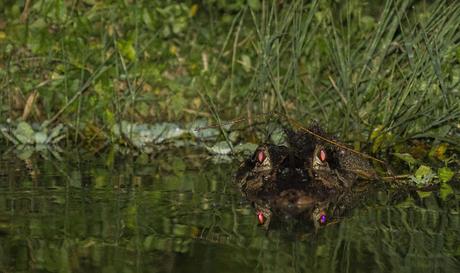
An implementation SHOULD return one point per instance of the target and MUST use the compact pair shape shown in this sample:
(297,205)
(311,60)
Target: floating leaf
(445,174)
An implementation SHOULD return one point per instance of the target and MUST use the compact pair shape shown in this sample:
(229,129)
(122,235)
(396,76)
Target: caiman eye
(260,217)
(261,156)
(322,218)
(322,155)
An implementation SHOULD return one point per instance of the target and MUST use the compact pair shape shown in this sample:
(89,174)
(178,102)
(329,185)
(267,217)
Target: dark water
(181,213)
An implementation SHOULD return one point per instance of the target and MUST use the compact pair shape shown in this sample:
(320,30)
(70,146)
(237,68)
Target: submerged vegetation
(383,76)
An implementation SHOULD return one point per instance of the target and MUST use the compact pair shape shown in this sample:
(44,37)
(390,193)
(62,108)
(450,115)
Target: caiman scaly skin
(310,179)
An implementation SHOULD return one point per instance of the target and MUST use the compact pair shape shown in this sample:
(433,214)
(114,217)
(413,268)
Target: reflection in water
(179,213)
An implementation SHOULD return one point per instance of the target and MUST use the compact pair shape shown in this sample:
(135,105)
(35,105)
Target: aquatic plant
(24,134)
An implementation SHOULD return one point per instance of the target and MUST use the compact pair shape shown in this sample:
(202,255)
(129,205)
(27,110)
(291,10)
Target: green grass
(392,74)
(380,73)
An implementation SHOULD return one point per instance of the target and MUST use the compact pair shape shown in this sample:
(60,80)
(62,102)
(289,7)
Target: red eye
(261,156)
(322,155)
(260,217)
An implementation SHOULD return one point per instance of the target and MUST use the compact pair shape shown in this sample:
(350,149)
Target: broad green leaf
(24,133)
(423,171)
(40,137)
(424,175)
(445,174)
(24,152)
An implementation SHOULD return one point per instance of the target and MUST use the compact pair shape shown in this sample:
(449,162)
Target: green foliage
(445,174)
(375,73)
(24,134)
(423,175)
(386,74)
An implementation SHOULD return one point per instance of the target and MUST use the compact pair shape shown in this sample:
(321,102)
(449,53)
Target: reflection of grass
(377,239)
(103,212)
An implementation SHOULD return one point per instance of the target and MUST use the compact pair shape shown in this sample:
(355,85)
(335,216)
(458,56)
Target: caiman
(309,179)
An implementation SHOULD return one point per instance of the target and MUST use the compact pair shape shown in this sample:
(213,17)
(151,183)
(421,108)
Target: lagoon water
(180,212)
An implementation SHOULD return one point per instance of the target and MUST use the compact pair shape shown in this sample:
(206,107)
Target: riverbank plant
(383,76)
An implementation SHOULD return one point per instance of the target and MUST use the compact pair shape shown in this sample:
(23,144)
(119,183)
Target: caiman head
(268,157)
(259,171)
(338,168)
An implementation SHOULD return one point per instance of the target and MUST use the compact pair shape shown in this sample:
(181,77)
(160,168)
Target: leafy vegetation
(380,75)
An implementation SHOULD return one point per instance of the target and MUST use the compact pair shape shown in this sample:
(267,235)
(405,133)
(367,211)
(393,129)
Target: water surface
(180,212)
